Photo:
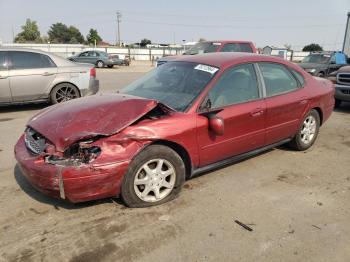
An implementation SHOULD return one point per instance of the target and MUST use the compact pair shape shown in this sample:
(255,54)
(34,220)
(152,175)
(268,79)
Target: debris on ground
(243,225)
(164,218)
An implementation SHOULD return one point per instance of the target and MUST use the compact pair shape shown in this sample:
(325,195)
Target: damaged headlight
(76,154)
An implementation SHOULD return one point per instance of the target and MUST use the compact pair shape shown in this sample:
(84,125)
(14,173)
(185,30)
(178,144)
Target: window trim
(259,86)
(290,72)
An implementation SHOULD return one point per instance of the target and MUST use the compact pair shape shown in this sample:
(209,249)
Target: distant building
(281,52)
(346,43)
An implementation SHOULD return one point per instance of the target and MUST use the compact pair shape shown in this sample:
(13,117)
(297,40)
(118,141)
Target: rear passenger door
(31,75)
(285,101)
(5,93)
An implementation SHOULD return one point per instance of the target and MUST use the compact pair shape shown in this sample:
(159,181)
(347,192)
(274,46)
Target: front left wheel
(155,176)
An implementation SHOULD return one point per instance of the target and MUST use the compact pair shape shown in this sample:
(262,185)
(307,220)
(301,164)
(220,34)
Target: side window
(3,65)
(237,85)
(333,60)
(84,54)
(299,77)
(236,47)
(92,53)
(278,79)
(28,60)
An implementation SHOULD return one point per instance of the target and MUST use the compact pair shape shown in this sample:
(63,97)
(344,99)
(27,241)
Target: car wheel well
(64,83)
(319,111)
(182,153)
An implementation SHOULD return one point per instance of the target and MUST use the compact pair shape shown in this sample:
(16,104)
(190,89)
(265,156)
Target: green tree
(145,42)
(93,36)
(60,33)
(312,47)
(30,33)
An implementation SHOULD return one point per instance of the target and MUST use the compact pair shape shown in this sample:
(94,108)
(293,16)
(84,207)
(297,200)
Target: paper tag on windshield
(209,69)
(216,43)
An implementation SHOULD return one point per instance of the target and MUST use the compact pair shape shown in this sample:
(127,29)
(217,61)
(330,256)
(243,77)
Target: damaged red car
(188,116)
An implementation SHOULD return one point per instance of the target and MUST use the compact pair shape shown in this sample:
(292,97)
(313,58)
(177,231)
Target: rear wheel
(64,92)
(100,64)
(308,131)
(154,177)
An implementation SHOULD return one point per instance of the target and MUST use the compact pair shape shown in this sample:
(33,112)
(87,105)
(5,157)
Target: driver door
(237,99)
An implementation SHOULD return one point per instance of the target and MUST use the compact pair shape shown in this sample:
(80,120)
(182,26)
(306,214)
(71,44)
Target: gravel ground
(297,204)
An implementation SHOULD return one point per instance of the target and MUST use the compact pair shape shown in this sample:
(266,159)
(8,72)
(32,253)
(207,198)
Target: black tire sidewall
(151,152)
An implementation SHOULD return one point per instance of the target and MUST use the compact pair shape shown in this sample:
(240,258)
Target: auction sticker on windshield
(209,69)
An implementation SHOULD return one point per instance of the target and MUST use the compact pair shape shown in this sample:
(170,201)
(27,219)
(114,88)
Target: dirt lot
(297,203)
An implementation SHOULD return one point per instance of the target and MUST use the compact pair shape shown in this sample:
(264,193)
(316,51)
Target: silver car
(28,75)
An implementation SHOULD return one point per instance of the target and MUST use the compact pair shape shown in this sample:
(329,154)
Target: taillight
(93,72)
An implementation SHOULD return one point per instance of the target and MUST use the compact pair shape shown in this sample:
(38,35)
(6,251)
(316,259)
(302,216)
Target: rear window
(237,47)
(28,60)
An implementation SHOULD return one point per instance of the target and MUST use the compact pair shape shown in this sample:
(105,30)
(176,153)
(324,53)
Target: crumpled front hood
(66,123)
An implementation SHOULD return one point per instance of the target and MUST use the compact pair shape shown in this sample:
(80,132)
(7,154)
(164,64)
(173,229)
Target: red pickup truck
(214,46)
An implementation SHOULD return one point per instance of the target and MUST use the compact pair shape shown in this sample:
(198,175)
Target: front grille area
(35,142)
(346,92)
(343,78)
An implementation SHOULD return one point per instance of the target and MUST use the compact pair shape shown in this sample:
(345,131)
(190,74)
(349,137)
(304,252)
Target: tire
(337,103)
(137,180)
(100,64)
(64,92)
(320,74)
(300,141)
(110,66)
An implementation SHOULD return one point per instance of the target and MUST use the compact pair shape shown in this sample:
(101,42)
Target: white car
(28,75)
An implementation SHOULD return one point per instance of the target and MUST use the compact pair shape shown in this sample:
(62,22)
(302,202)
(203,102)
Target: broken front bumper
(73,183)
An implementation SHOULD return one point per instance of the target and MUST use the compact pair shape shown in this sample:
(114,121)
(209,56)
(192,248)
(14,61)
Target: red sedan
(188,116)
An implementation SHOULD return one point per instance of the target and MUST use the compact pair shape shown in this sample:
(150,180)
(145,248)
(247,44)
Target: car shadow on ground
(24,107)
(56,203)
(343,108)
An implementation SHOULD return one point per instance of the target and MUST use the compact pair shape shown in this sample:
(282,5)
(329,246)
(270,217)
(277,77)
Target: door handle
(257,112)
(47,74)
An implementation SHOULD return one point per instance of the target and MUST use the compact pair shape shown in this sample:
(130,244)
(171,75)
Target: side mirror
(216,124)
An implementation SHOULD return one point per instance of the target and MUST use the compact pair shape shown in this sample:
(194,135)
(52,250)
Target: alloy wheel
(155,180)
(66,93)
(308,130)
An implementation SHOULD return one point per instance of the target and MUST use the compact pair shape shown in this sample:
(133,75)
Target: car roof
(225,59)
(229,41)
(23,50)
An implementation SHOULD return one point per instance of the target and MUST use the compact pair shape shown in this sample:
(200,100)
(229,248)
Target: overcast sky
(269,22)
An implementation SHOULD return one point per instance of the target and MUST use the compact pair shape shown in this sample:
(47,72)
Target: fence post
(150,54)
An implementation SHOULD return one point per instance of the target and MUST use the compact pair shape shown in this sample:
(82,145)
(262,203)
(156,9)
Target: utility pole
(119,17)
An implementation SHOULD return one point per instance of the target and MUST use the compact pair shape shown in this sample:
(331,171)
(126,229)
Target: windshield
(203,47)
(317,58)
(175,84)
